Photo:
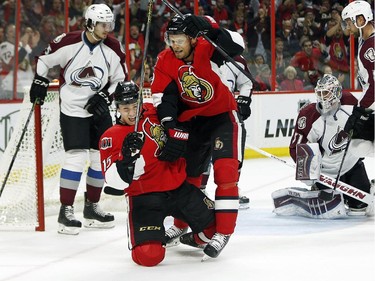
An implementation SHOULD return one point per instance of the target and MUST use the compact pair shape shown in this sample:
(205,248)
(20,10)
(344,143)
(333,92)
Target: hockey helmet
(357,8)
(99,13)
(126,93)
(175,26)
(328,91)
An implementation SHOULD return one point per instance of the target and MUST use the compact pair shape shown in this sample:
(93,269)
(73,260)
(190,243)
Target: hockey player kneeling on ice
(323,123)
(154,189)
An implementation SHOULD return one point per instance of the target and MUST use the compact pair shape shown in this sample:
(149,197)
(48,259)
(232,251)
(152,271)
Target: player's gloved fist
(175,146)
(131,146)
(38,90)
(194,25)
(98,104)
(361,123)
(243,104)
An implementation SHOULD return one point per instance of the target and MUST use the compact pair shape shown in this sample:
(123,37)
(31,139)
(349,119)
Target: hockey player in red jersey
(92,63)
(156,188)
(358,18)
(188,87)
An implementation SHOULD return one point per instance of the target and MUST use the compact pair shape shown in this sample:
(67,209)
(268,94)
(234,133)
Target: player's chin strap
(328,181)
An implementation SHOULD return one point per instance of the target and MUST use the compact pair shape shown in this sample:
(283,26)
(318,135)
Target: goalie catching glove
(194,26)
(243,105)
(38,90)
(361,122)
(176,144)
(98,104)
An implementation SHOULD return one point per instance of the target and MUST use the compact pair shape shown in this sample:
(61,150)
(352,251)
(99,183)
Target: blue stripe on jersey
(71,175)
(94,174)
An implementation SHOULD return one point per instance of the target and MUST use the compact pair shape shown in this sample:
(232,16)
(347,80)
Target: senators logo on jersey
(156,133)
(194,89)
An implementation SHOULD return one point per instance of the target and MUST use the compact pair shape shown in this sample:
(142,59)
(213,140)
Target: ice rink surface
(264,246)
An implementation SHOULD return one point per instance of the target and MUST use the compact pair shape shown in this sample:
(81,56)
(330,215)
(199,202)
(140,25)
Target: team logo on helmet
(194,88)
(156,133)
(87,76)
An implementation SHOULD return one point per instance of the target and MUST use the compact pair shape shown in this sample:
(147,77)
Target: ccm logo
(40,82)
(180,135)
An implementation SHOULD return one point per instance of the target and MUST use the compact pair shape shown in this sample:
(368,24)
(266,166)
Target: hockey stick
(113,191)
(144,60)
(328,181)
(328,196)
(218,48)
(18,147)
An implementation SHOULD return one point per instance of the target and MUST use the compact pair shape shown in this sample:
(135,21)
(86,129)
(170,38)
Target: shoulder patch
(105,143)
(370,54)
(301,123)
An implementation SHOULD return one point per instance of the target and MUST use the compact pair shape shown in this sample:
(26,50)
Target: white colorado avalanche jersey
(85,68)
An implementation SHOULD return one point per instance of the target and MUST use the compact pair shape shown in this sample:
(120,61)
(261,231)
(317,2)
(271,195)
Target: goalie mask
(328,92)
(126,93)
(99,13)
(357,8)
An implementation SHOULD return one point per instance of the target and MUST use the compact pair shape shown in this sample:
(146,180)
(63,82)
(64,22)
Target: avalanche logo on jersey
(338,142)
(87,76)
(156,133)
(194,89)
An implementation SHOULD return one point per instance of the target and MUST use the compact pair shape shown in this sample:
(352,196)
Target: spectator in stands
(264,78)
(289,36)
(239,24)
(337,46)
(76,10)
(309,61)
(57,11)
(7,60)
(32,13)
(255,65)
(221,14)
(308,26)
(2,34)
(136,47)
(328,70)
(291,83)
(282,59)
(259,36)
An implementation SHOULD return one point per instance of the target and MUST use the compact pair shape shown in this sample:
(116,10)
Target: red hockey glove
(38,90)
(175,146)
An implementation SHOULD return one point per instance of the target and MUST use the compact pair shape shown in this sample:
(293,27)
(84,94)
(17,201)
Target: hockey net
(19,200)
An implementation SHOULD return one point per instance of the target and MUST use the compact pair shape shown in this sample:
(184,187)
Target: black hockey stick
(327,196)
(218,48)
(113,191)
(144,60)
(18,147)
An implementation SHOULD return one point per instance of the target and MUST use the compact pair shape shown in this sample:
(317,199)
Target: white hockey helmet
(328,91)
(357,8)
(99,13)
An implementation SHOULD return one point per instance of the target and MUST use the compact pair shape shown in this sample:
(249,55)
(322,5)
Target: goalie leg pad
(148,254)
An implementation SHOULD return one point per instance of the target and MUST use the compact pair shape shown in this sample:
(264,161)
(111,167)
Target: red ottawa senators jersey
(150,174)
(200,83)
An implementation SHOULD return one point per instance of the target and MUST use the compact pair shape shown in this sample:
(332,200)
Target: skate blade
(205,258)
(244,206)
(97,224)
(68,230)
(173,243)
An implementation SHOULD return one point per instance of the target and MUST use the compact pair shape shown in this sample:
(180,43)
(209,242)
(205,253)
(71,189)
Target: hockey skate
(244,202)
(215,246)
(95,217)
(68,224)
(172,235)
(188,239)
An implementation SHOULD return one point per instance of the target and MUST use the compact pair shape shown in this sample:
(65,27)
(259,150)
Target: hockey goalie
(320,146)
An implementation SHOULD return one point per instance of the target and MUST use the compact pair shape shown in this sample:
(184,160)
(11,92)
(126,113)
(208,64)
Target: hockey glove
(131,147)
(194,26)
(175,146)
(38,90)
(98,104)
(243,104)
(361,123)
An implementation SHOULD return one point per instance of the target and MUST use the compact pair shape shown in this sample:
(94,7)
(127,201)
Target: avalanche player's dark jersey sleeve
(304,128)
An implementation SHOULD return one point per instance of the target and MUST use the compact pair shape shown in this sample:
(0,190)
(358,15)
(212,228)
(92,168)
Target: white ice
(264,246)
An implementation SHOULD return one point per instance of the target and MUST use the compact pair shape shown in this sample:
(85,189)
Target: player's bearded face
(180,45)
(128,113)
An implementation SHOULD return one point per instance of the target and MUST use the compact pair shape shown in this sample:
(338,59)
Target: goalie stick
(18,147)
(328,181)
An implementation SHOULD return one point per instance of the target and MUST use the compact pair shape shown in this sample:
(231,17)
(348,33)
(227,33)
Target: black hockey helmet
(126,92)
(175,25)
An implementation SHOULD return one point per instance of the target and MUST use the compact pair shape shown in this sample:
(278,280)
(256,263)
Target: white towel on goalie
(295,201)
